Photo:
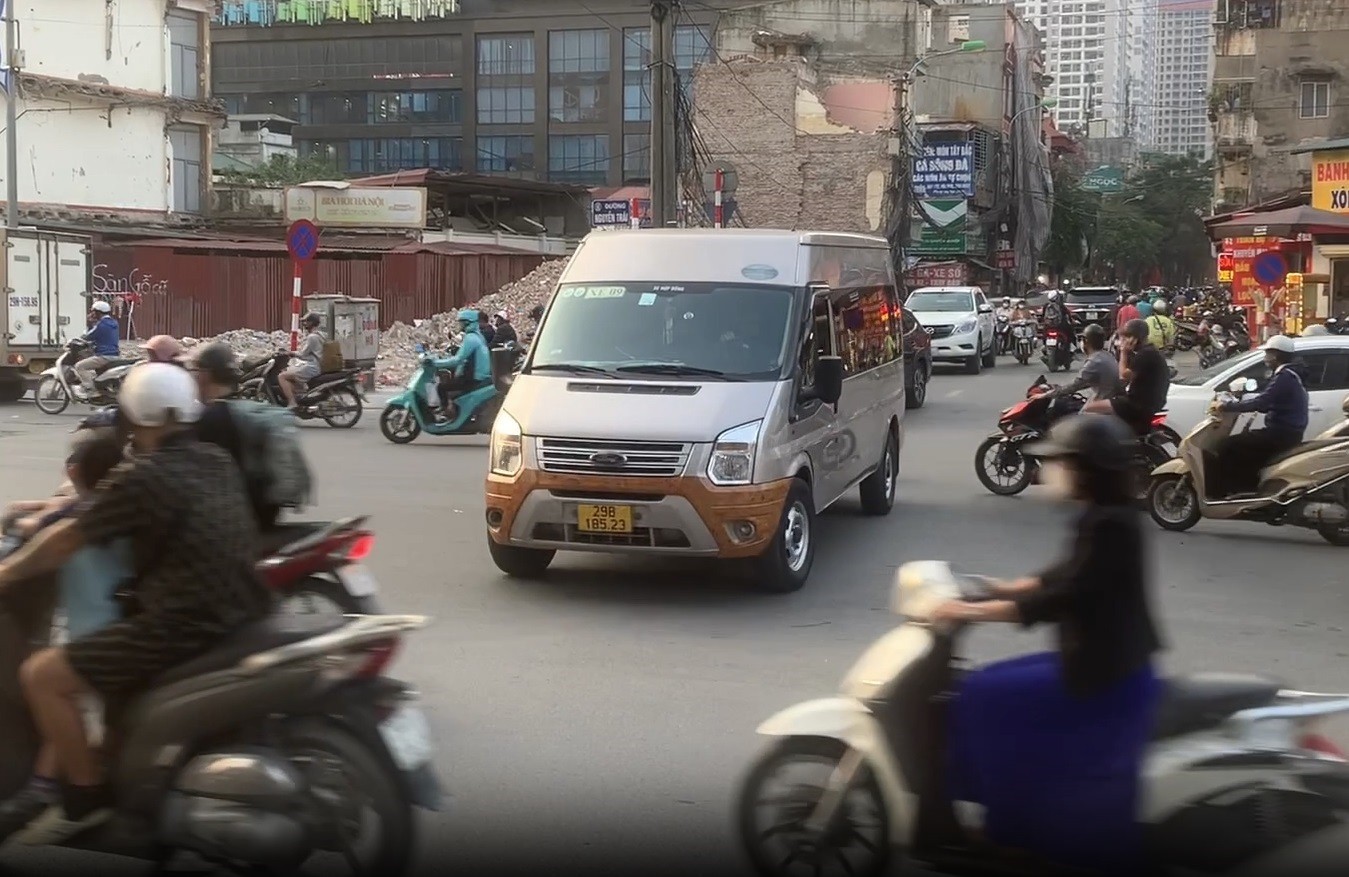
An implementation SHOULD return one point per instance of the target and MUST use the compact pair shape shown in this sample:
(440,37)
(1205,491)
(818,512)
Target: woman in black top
(1051,744)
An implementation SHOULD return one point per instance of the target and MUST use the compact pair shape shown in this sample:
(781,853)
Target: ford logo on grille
(608,460)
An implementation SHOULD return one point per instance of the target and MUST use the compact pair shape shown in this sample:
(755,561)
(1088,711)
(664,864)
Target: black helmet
(1095,334)
(217,361)
(1137,330)
(1100,442)
(311,320)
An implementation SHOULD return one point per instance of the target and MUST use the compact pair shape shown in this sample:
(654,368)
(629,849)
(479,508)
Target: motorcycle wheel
(405,430)
(1335,534)
(347,782)
(857,846)
(1173,503)
(315,596)
(1024,472)
(51,397)
(351,406)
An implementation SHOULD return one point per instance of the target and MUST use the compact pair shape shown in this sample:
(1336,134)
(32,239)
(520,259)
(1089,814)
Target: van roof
(694,255)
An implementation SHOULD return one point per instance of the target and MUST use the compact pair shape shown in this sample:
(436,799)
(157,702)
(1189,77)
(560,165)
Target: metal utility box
(354,324)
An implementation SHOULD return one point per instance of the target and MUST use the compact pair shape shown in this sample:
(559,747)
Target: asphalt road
(600,720)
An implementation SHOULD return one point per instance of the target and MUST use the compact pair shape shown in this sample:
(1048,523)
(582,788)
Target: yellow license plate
(604,518)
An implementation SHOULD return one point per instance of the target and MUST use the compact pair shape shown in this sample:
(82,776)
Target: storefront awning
(1285,223)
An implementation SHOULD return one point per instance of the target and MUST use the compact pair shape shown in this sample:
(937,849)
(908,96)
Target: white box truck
(46,278)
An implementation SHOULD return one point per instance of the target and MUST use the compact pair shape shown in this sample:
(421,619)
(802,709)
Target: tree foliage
(1153,227)
(283,170)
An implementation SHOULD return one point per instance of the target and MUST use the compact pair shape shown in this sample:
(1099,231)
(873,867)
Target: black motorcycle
(1005,469)
(335,397)
(1002,334)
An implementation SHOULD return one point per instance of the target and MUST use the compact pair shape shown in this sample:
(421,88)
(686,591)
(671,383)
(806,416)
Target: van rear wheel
(877,490)
(785,564)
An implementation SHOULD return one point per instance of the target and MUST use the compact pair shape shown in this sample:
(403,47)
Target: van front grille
(611,457)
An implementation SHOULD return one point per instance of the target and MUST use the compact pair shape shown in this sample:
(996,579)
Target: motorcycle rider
(1128,311)
(104,334)
(1284,404)
(1146,378)
(1057,738)
(163,348)
(1100,373)
(470,368)
(505,332)
(1161,328)
(1056,316)
(183,506)
(1020,311)
(307,363)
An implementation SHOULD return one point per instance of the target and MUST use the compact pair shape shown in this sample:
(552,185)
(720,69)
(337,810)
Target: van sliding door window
(867,327)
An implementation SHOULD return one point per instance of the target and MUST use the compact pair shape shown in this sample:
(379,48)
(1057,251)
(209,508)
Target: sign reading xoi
(1339,200)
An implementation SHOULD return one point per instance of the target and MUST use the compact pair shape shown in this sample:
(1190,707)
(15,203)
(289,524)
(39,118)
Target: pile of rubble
(397,344)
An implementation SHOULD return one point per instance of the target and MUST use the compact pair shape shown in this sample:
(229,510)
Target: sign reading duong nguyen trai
(353,207)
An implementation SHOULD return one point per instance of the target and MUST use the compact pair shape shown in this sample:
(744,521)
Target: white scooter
(1229,753)
(55,388)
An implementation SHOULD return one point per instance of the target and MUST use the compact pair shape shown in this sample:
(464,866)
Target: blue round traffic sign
(302,239)
(1269,269)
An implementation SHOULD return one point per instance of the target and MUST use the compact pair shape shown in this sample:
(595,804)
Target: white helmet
(159,393)
(1281,343)
(1315,329)
(499,315)
(102,307)
(1052,295)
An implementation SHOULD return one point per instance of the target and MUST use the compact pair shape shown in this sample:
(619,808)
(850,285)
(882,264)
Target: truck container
(46,278)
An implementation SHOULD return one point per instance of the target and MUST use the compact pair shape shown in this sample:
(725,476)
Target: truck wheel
(12,391)
(785,564)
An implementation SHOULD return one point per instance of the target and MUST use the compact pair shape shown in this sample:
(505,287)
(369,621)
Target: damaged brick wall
(799,165)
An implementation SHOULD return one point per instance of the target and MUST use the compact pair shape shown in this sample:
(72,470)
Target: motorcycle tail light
(1312,740)
(378,656)
(360,548)
(1158,420)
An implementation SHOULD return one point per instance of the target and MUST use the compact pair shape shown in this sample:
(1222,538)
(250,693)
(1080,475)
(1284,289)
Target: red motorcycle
(1005,469)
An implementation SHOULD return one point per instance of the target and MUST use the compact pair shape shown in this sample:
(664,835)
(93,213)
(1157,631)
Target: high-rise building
(1087,52)
(1182,64)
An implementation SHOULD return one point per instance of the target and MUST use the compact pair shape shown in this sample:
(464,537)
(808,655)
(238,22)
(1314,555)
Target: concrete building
(1088,50)
(1280,80)
(536,89)
(114,115)
(252,141)
(1183,70)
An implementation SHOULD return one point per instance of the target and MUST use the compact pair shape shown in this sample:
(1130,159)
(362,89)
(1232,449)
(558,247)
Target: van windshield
(695,330)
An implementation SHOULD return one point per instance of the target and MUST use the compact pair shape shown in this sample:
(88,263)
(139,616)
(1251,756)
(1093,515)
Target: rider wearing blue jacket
(103,336)
(471,367)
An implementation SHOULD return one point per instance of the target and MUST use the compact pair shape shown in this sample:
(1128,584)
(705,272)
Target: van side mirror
(828,379)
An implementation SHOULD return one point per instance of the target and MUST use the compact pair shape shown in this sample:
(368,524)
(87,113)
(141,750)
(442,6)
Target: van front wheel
(785,564)
(520,563)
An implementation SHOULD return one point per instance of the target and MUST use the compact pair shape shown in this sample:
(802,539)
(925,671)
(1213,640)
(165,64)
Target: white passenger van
(694,392)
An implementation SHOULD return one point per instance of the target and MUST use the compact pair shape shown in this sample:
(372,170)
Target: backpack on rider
(273,462)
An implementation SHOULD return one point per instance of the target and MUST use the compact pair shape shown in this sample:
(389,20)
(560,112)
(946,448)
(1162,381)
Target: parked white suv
(960,321)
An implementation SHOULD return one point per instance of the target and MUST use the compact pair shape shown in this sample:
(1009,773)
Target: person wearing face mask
(1284,403)
(1057,738)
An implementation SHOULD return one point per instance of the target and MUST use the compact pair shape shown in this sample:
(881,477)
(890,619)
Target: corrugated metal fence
(200,292)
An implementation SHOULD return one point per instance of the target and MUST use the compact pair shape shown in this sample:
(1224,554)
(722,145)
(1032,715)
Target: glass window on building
(506,55)
(578,51)
(385,154)
(579,158)
(506,105)
(185,143)
(505,154)
(1315,100)
(636,158)
(337,108)
(578,75)
(445,106)
(184,53)
(637,74)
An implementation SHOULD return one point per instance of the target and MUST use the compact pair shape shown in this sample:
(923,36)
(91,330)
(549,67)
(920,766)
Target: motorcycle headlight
(505,454)
(967,326)
(732,461)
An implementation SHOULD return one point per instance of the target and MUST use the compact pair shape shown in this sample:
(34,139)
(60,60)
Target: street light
(1047,103)
(967,46)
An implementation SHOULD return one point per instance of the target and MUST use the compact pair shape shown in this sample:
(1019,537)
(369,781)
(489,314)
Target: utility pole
(11,117)
(664,185)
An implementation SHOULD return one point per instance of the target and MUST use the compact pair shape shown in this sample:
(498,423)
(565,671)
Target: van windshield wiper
(674,368)
(569,367)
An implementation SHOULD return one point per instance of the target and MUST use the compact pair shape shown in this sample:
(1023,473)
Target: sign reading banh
(1330,180)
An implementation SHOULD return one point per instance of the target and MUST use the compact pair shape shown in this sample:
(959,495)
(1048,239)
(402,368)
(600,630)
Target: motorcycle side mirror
(1250,386)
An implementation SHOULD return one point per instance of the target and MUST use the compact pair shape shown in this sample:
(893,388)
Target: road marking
(954,393)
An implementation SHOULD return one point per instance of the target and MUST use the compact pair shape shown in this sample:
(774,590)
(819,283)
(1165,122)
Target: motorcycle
(1002,334)
(276,746)
(414,410)
(335,397)
(1005,469)
(1224,747)
(1058,349)
(55,388)
(1023,335)
(1307,486)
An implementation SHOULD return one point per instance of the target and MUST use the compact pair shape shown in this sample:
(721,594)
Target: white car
(959,320)
(1322,360)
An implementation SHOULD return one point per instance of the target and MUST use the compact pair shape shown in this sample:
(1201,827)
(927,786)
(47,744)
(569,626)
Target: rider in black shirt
(1147,379)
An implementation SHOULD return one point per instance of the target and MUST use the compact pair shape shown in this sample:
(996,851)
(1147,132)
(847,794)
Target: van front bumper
(683,516)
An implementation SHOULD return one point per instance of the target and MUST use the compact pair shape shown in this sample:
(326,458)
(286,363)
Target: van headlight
(505,447)
(732,461)
(967,326)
